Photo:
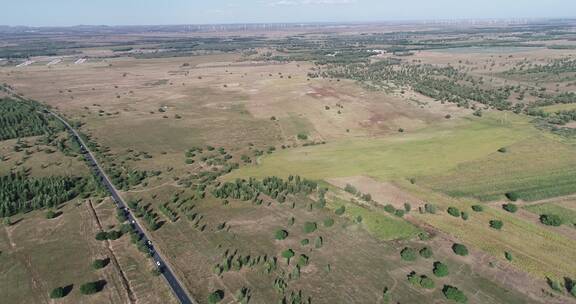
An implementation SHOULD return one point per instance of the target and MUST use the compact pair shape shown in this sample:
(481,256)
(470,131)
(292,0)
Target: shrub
(496,224)
(503,150)
(57,293)
(91,287)
(513,196)
(304,242)
(426,282)
(510,207)
(464,215)
(426,252)
(453,211)
(440,269)
(478,208)
(408,254)
(454,294)
(215,297)
(340,210)
(329,222)
(550,220)
(460,249)
(399,213)
(508,255)
(281,234)
(302,136)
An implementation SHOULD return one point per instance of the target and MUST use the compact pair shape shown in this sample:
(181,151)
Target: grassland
(568,216)
(381,225)
(430,151)
(536,249)
(40,254)
(558,107)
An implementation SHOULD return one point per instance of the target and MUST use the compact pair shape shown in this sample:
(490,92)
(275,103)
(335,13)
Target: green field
(430,151)
(568,216)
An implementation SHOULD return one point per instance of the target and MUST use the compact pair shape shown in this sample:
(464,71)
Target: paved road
(175,285)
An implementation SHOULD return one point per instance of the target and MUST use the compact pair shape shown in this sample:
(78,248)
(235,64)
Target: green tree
(477,208)
(426,282)
(281,234)
(288,254)
(91,287)
(440,269)
(510,207)
(454,294)
(408,254)
(426,252)
(513,196)
(496,224)
(453,211)
(460,249)
(310,227)
(550,220)
(100,263)
(215,297)
(58,292)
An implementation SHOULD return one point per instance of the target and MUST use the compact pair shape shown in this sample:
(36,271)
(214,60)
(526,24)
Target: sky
(153,12)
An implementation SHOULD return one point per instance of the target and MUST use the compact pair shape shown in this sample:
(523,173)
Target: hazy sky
(126,12)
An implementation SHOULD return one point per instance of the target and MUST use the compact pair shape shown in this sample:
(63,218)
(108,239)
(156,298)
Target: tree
(91,287)
(453,211)
(454,294)
(58,292)
(426,282)
(477,208)
(100,263)
(513,196)
(550,220)
(408,254)
(426,252)
(496,224)
(288,254)
(460,249)
(281,234)
(510,207)
(310,227)
(215,297)
(101,236)
(440,269)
